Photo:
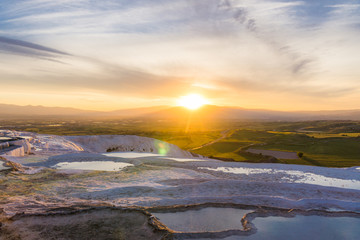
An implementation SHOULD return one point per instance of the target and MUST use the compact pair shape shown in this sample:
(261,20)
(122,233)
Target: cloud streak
(24,48)
(160,49)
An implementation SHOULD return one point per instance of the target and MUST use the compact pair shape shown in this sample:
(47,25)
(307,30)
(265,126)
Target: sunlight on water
(93,165)
(293,176)
(210,219)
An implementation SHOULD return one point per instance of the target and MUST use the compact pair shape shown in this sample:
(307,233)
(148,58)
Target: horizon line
(172,106)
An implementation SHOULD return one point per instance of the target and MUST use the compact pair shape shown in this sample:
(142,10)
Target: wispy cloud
(17,46)
(162,48)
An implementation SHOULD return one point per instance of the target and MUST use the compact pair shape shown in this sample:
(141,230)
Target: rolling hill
(170,112)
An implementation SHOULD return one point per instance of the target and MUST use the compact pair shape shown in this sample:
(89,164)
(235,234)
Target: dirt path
(224,134)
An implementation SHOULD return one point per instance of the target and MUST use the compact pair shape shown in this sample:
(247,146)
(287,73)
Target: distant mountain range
(169,112)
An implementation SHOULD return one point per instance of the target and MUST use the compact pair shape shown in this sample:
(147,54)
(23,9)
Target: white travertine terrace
(178,178)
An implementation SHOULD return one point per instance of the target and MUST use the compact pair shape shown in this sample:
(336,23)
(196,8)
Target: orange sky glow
(279,55)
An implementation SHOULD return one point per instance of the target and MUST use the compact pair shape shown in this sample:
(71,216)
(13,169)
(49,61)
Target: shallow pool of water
(307,227)
(131,154)
(3,167)
(304,227)
(93,165)
(144,154)
(210,219)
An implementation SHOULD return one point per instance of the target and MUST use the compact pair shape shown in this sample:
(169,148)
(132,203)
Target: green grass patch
(331,152)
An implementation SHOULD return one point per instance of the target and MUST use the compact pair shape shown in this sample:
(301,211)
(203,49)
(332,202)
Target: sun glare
(192,101)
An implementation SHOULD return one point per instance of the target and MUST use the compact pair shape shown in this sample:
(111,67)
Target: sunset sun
(192,101)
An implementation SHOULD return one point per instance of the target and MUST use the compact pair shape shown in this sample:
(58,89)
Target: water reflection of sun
(192,101)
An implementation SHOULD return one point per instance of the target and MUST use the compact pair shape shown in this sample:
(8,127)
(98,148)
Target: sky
(114,54)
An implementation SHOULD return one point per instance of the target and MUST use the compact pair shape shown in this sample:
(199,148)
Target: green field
(326,151)
(323,143)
